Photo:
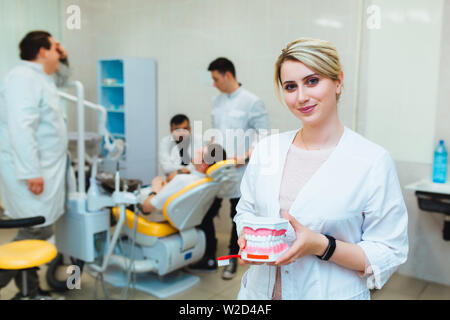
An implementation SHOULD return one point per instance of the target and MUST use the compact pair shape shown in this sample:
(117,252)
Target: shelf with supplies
(433,197)
(118,135)
(114,109)
(117,85)
(426,185)
(127,89)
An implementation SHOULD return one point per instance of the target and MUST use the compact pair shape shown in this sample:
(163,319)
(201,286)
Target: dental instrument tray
(265,237)
(107,181)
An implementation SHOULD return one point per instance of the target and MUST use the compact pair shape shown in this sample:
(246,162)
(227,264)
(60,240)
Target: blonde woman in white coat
(340,192)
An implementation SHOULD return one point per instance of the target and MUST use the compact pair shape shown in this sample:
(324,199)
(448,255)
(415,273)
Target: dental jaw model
(265,239)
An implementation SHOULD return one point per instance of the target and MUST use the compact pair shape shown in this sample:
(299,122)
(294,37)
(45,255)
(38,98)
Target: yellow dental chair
(25,254)
(161,249)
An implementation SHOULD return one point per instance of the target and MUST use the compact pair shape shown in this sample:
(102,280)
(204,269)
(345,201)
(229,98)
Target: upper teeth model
(265,238)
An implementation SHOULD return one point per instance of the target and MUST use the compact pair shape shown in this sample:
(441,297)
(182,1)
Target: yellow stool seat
(26,254)
(149,228)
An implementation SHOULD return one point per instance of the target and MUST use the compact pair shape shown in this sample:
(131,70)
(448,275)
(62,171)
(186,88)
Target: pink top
(300,166)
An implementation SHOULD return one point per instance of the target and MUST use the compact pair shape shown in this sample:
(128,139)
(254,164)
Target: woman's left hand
(307,242)
(157,184)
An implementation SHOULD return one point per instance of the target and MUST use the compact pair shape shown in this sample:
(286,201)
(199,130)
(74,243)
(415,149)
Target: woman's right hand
(242,244)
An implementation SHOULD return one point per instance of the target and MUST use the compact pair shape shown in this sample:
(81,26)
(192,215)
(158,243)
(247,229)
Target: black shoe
(40,295)
(206,264)
(19,296)
(230,270)
(43,295)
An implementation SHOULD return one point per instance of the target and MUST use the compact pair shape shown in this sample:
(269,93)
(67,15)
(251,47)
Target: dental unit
(139,254)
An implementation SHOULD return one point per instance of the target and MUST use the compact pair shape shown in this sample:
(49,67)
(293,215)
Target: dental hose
(130,272)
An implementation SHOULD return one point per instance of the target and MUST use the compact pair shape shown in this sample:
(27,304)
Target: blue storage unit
(127,88)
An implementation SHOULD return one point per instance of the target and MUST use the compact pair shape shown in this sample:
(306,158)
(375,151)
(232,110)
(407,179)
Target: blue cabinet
(127,88)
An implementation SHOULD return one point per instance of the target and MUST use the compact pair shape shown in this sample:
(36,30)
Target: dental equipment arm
(96,200)
(91,105)
(115,147)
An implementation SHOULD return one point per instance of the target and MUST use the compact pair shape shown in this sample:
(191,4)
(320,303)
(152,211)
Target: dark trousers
(32,277)
(208,228)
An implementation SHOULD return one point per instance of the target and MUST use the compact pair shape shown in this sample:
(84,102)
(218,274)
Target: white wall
(404,107)
(19,17)
(403,72)
(184,36)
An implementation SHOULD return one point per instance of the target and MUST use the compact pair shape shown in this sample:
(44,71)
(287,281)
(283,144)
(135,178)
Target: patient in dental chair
(161,190)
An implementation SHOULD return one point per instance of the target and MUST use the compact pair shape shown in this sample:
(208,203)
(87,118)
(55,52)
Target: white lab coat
(33,143)
(238,118)
(355,196)
(169,153)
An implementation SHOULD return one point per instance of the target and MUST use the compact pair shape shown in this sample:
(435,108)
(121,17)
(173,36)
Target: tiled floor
(212,287)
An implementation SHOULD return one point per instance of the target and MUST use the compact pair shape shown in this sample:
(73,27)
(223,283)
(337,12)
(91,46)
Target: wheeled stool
(25,254)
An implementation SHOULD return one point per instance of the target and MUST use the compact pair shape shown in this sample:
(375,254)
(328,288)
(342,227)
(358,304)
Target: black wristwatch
(152,193)
(330,249)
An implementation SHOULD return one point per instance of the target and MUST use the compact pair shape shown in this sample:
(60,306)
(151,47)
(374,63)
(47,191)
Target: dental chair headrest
(219,170)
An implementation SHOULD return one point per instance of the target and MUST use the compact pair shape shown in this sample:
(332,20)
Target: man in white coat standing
(33,144)
(239,116)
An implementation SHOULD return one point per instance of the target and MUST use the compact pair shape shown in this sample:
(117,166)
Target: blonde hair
(316,54)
